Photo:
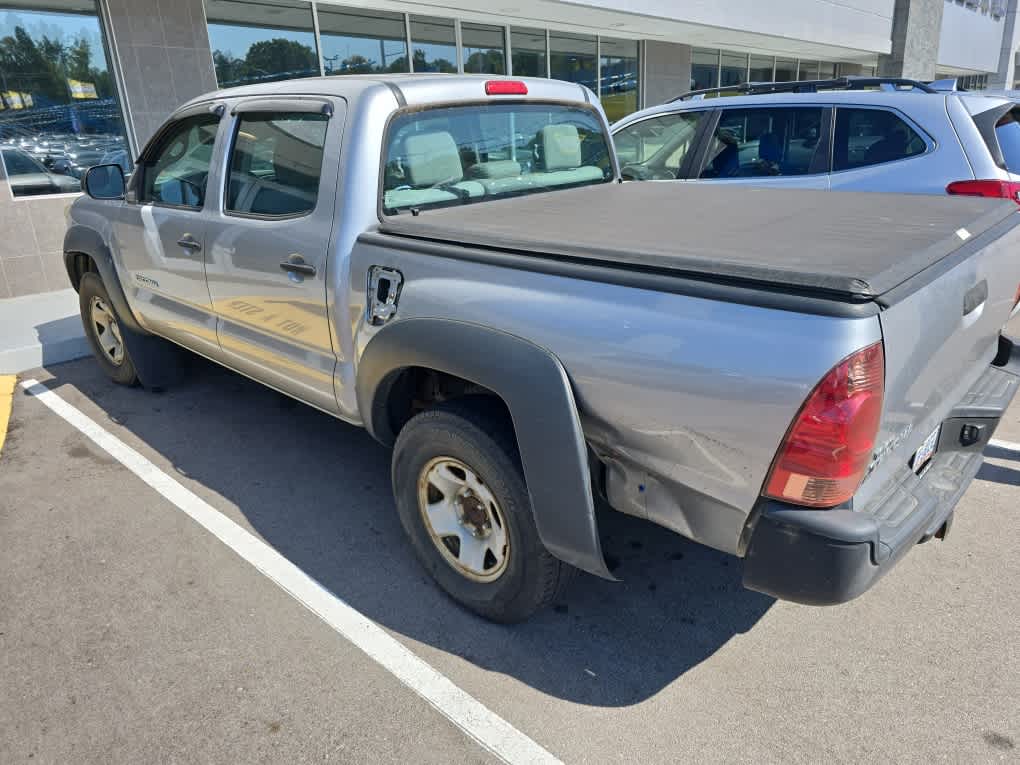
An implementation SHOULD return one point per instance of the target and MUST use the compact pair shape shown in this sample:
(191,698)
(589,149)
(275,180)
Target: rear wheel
(463,502)
(103,330)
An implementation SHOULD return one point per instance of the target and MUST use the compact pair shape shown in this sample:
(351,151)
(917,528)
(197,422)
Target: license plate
(922,455)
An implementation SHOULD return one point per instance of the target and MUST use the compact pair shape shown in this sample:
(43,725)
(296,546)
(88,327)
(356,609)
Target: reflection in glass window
(435,44)
(870,137)
(704,69)
(59,113)
(275,165)
(483,49)
(527,46)
(465,154)
(826,70)
(572,58)
(619,77)
(734,69)
(361,42)
(808,70)
(786,69)
(261,40)
(764,142)
(761,69)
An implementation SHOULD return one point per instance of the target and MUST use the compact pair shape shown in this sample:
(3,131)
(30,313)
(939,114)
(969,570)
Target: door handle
(295,264)
(189,243)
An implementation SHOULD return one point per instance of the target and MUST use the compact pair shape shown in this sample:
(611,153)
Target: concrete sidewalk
(38,330)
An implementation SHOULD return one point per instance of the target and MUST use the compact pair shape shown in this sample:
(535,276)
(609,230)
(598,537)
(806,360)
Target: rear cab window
(477,152)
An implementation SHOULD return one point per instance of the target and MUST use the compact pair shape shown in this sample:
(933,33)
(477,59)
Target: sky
(67,27)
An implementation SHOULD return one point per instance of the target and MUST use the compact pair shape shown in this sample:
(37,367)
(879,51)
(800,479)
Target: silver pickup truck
(806,381)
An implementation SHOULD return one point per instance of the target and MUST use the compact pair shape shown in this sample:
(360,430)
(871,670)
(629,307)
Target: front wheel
(463,502)
(103,330)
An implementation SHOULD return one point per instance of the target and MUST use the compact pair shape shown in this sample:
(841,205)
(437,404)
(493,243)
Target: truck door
(267,245)
(161,231)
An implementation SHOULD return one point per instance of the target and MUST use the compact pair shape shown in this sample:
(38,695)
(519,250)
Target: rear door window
(276,163)
(655,148)
(765,142)
(867,137)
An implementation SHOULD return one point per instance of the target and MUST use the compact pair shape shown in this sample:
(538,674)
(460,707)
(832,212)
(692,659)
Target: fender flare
(534,385)
(87,241)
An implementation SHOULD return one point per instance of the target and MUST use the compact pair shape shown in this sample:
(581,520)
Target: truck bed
(845,245)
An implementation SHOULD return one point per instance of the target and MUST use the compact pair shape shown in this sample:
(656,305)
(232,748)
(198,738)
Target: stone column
(162,49)
(915,40)
(666,71)
(1005,77)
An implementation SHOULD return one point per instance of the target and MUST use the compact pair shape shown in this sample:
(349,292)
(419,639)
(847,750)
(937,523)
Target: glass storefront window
(761,69)
(435,44)
(59,112)
(786,69)
(704,69)
(734,69)
(619,72)
(808,70)
(826,70)
(527,48)
(572,58)
(361,42)
(261,41)
(483,49)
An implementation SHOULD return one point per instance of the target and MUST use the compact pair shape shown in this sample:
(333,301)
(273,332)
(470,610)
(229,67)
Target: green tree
(357,65)
(279,56)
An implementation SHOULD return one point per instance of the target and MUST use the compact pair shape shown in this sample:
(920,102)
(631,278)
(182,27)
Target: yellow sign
(12,99)
(81,89)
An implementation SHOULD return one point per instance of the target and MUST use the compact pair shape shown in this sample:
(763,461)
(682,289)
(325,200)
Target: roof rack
(810,86)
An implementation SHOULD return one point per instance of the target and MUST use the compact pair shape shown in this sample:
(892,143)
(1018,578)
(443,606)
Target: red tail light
(506,88)
(998,189)
(829,446)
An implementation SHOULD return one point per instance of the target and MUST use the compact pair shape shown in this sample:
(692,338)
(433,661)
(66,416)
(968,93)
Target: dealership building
(84,82)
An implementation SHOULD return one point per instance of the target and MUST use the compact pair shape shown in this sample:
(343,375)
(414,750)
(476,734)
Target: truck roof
(414,89)
(849,246)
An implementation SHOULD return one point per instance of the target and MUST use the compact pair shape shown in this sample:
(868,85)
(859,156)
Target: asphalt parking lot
(129,633)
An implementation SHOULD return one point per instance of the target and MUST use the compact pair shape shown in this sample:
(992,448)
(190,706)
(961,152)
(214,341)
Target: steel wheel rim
(463,519)
(107,330)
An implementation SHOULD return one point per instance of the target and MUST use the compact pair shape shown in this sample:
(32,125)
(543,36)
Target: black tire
(478,434)
(90,288)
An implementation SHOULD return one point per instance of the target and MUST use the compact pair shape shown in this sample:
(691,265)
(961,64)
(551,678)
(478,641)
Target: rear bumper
(823,557)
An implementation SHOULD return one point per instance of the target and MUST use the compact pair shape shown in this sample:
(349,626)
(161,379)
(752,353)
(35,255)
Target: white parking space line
(1009,446)
(485,727)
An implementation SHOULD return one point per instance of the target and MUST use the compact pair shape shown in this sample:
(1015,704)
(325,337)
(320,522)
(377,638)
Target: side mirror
(104,182)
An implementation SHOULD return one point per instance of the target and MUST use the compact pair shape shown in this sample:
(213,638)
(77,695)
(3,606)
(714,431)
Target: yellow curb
(6,401)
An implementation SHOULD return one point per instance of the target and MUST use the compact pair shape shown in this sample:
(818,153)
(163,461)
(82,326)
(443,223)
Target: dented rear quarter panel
(684,399)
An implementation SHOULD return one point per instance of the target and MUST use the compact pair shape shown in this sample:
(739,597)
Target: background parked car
(851,134)
(28,176)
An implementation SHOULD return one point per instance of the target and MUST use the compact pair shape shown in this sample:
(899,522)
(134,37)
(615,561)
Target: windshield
(466,154)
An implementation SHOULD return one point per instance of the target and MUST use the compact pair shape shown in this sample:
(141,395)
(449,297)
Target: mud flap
(535,387)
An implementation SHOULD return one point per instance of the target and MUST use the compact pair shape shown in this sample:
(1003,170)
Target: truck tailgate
(939,339)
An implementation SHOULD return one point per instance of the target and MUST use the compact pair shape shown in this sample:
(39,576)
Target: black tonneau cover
(852,245)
